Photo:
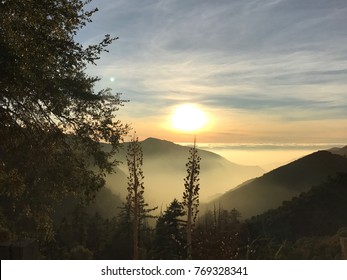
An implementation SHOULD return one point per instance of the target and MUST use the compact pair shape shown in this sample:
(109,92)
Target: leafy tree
(135,206)
(191,194)
(51,119)
(169,238)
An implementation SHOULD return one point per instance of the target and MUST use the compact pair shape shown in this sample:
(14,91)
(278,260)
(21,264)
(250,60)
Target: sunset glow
(257,77)
(188,117)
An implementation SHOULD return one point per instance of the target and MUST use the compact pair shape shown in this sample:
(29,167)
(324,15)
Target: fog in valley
(164,168)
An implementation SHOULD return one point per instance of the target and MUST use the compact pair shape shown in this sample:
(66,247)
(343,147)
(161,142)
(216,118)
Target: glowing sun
(188,117)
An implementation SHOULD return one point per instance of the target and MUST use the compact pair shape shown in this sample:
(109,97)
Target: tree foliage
(220,235)
(321,211)
(169,234)
(51,119)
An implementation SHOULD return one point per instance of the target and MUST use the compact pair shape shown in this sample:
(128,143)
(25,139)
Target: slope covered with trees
(283,183)
(308,226)
(320,211)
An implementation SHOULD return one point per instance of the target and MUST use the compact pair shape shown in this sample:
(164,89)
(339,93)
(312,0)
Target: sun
(188,117)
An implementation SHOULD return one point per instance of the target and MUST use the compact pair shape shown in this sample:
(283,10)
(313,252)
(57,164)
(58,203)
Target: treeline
(307,227)
(80,234)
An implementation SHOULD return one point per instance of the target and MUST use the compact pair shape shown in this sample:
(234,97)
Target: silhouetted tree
(51,117)
(169,237)
(220,236)
(191,194)
(135,206)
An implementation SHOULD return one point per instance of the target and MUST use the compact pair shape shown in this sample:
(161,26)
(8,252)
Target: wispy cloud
(284,57)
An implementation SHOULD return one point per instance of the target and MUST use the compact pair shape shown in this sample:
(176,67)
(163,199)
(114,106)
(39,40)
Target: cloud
(284,57)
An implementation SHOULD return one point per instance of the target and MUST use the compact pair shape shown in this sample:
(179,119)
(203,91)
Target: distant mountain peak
(164,166)
(153,139)
(339,151)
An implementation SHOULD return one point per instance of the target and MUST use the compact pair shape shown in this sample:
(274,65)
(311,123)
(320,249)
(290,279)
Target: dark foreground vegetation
(53,200)
(52,120)
(307,227)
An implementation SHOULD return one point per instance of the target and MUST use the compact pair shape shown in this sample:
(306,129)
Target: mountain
(164,168)
(307,227)
(321,211)
(271,189)
(339,151)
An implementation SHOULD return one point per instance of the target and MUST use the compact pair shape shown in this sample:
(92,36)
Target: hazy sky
(262,70)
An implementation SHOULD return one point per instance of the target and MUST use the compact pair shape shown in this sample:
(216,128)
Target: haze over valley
(164,167)
(250,189)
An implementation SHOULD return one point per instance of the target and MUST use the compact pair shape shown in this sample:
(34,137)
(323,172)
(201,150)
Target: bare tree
(135,202)
(191,194)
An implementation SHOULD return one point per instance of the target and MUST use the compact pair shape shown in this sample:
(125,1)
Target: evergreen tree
(169,238)
(191,194)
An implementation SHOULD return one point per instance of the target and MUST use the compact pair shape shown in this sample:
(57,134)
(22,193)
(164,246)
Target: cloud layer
(279,61)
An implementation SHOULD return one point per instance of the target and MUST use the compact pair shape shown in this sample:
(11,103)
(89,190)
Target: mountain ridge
(339,151)
(283,183)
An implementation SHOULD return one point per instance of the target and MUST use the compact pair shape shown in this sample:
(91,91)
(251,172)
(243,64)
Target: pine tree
(191,194)
(169,238)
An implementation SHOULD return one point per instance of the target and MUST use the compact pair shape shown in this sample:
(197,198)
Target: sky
(263,71)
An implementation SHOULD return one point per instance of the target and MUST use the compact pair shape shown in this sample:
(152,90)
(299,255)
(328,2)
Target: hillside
(322,211)
(339,151)
(106,204)
(271,189)
(164,167)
